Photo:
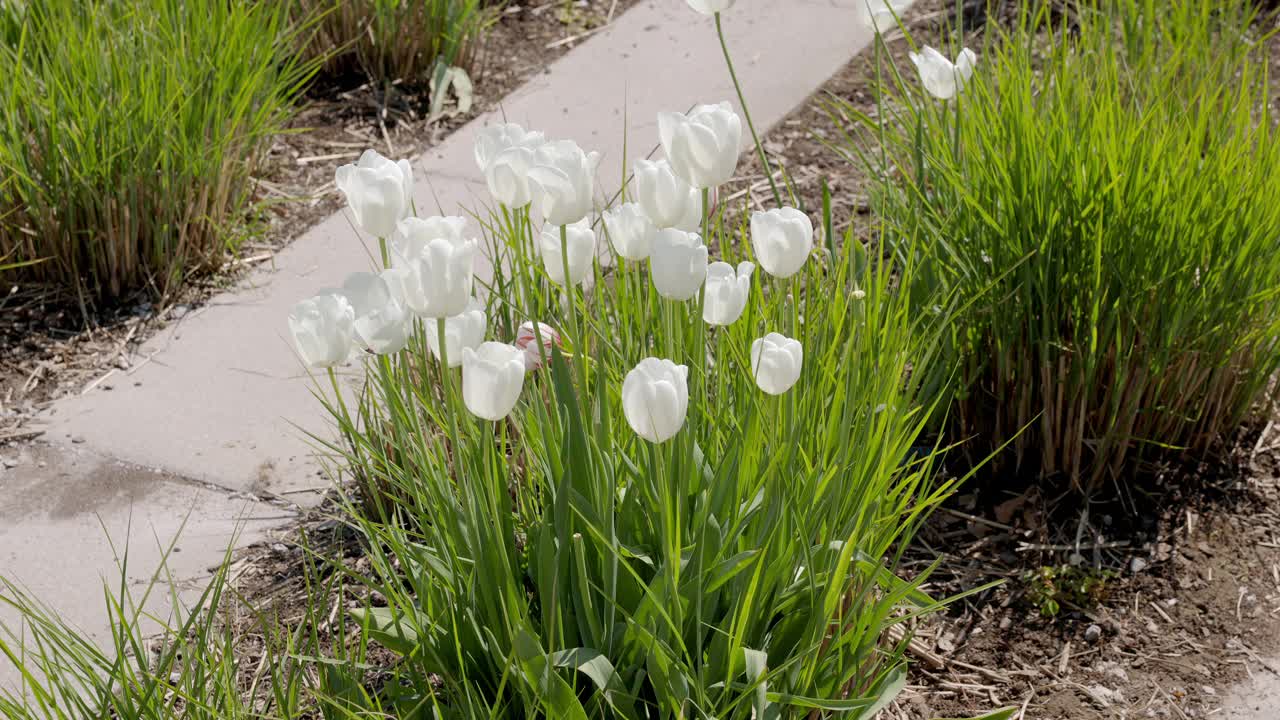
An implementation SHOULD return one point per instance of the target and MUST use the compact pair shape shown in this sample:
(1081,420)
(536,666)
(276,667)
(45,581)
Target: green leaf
(390,628)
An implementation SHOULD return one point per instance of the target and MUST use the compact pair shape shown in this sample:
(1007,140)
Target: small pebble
(1137,565)
(77,440)
(1092,633)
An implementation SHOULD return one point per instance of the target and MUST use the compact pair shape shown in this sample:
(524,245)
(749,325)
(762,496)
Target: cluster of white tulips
(429,263)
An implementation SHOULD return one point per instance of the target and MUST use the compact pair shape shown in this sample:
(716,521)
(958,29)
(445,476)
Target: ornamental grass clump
(658,484)
(1103,203)
(129,131)
(387,41)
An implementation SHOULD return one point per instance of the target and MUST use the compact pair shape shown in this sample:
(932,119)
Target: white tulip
(702,146)
(710,7)
(678,264)
(580,241)
(508,177)
(668,199)
(563,178)
(494,139)
(775,362)
(879,15)
(526,341)
(440,266)
(655,399)
(492,377)
(782,239)
(630,231)
(379,191)
(727,291)
(462,331)
(940,77)
(413,236)
(382,322)
(322,327)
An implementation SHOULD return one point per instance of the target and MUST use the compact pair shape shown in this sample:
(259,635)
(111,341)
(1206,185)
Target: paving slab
(222,399)
(68,516)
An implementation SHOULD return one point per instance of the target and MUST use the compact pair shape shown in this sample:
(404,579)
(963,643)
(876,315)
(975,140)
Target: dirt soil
(48,349)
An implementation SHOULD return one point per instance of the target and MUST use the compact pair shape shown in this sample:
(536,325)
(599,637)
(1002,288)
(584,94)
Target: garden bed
(49,349)
(1186,600)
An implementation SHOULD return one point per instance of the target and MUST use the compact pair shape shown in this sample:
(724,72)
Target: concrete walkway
(214,417)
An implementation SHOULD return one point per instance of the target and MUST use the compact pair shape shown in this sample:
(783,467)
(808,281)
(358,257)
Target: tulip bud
(666,198)
(940,77)
(462,331)
(322,327)
(702,146)
(782,239)
(879,15)
(655,399)
(726,295)
(563,178)
(630,231)
(492,377)
(439,261)
(378,191)
(775,362)
(710,7)
(381,320)
(508,177)
(580,241)
(494,139)
(678,264)
(527,343)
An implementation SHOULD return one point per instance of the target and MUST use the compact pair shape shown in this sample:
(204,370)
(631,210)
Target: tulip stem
(382,247)
(579,342)
(742,100)
(447,386)
(706,216)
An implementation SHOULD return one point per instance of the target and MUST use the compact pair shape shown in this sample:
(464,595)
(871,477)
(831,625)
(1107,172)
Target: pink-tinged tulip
(536,353)
(379,192)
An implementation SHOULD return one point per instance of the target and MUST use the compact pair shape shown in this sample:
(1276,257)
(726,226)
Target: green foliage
(1104,206)
(1051,586)
(394,40)
(129,130)
(555,565)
